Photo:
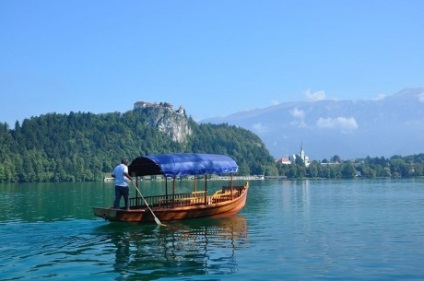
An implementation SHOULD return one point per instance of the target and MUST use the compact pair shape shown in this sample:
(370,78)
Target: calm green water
(289,230)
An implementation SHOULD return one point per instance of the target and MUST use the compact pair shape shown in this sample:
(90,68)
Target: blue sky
(212,57)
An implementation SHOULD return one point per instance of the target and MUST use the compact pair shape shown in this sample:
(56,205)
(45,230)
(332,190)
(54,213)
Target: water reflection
(188,248)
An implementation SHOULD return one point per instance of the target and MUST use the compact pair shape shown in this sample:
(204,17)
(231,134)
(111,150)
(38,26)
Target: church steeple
(302,153)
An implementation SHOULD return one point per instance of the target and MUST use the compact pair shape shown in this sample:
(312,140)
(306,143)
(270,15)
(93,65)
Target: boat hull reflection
(183,248)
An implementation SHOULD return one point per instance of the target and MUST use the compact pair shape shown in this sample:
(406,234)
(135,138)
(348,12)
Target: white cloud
(346,125)
(315,96)
(275,102)
(297,113)
(299,123)
(421,97)
(380,97)
(299,116)
(259,128)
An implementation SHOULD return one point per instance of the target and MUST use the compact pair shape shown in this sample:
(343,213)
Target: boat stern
(111,214)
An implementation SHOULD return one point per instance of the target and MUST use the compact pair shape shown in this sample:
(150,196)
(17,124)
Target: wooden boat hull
(142,215)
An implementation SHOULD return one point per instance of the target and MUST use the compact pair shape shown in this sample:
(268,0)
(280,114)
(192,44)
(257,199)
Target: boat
(174,205)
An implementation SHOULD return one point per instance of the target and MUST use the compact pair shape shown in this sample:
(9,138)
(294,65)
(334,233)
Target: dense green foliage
(246,148)
(86,147)
(395,166)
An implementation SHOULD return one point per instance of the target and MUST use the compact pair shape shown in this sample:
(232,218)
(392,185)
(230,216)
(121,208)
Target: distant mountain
(389,126)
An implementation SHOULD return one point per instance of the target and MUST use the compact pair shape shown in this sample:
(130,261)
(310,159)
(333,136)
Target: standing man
(120,174)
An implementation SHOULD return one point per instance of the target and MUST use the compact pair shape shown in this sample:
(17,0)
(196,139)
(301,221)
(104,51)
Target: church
(292,159)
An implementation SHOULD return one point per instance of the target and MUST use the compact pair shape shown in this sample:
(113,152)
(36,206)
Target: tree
(335,171)
(292,171)
(335,159)
(312,170)
(299,161)
(348,170)
(396,164)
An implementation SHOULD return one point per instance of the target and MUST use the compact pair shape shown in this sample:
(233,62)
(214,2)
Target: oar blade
(158,221)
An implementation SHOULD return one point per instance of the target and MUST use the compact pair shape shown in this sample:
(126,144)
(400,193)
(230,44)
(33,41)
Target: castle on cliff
(167,105)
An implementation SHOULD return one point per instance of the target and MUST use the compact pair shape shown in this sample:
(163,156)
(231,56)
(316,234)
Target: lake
(289,230)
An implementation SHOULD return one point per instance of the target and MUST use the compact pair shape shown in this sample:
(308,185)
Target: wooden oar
(151,211)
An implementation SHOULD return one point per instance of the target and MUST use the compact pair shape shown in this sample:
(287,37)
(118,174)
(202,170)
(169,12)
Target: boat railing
(138,202)
(163,201)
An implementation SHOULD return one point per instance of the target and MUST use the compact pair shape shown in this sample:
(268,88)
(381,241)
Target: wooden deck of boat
(194,198)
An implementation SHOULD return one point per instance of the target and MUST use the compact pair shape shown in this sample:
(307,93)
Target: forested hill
(86,146)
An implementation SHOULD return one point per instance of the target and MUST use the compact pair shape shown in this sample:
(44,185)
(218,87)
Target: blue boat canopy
(182,164)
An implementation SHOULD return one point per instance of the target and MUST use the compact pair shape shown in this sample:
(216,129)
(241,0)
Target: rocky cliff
(172,123)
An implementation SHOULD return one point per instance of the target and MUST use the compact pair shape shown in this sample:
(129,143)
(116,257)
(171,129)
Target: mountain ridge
(391,125)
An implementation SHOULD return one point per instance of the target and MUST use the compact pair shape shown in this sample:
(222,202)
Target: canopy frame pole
(136,193)
(231,186)
(174,183)
(206,188)
(166,187)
